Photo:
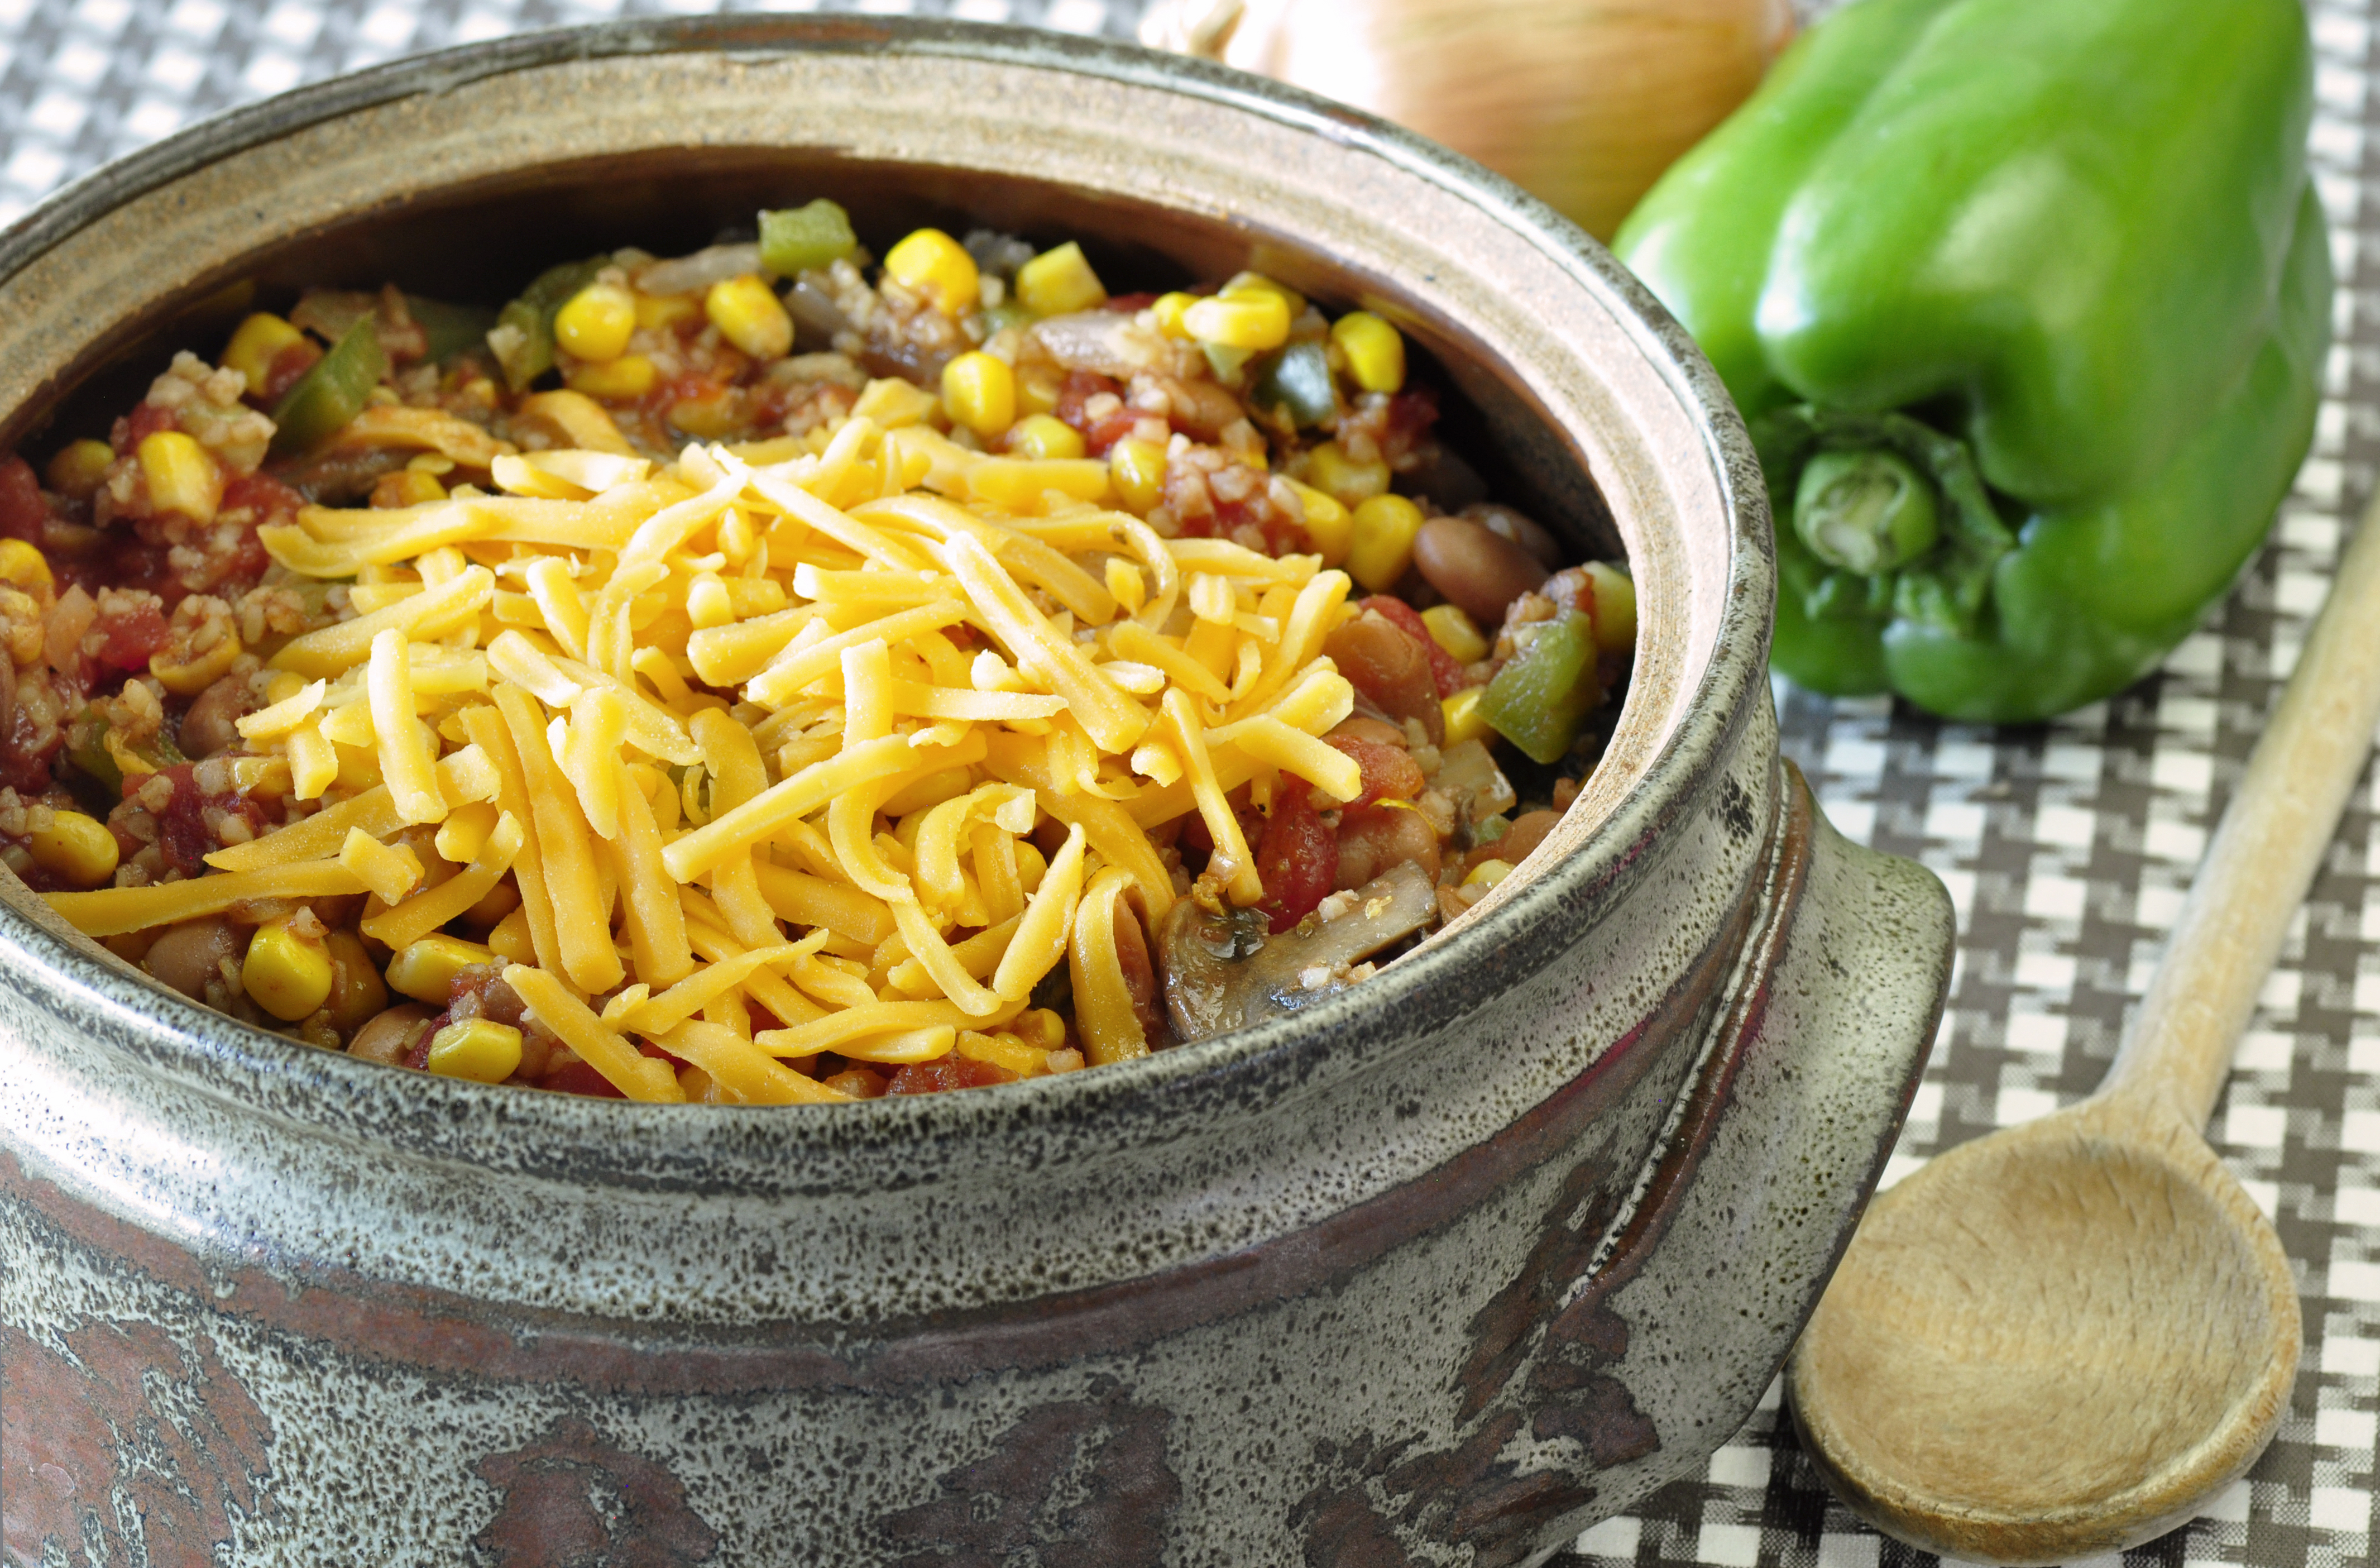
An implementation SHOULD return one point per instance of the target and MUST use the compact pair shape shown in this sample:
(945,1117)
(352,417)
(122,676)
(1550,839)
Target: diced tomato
(133,630)
(22,511)
(1410,416)
(288,368)
(1297,858)
(576,1077)
(1101,434)
(138,426)
(1130,304)
(26,750)
(418,1057)
(1389,772)
(267,498)
(183,825)
(1080,387)
(951,1072)
(1443,667)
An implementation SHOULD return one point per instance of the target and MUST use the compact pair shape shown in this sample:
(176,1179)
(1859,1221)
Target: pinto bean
(1529,535)
(1199,409)
(389,1036)
(191,954)
(1528,831)
(1361,728)
(1476,569)
(1388,667)
(1373,839)
(207,726)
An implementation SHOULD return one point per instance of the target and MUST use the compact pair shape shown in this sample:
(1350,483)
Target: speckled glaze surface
(1435,1273)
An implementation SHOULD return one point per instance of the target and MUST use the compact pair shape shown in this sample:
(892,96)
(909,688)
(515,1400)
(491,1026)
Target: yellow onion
(1582,102)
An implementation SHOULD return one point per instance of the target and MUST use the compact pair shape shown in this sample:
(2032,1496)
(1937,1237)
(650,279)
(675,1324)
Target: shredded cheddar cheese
(844,743)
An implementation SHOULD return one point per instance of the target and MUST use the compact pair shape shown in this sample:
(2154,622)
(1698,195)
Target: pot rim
(1262,1063)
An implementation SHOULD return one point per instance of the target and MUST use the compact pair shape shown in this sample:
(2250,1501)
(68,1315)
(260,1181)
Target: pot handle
(1676,1328)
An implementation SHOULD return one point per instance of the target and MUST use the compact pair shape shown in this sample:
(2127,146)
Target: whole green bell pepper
(2026,303)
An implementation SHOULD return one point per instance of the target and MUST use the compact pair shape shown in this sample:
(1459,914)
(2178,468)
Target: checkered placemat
(2067,847)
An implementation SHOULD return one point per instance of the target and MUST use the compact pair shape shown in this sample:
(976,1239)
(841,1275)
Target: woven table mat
(2065,847)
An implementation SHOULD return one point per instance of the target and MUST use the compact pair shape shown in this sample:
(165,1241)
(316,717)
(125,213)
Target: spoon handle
(2264,857)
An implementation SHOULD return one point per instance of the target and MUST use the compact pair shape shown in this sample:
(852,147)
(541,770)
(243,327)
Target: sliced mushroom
(1223,972)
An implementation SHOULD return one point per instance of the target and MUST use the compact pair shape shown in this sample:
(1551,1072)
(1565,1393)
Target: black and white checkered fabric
(2067,847)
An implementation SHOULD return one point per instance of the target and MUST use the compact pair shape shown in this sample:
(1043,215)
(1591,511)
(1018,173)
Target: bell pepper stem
(1865,512)
(1937,571)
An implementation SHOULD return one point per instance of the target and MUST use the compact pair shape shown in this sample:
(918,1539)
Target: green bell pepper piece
(95,761)
(1294,385)
(801,239)
(526,352)
(332,393)
(448,329)
(1540,698)
(2064,249)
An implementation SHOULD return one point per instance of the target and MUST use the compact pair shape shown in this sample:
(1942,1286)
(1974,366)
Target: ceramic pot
(1438,1271)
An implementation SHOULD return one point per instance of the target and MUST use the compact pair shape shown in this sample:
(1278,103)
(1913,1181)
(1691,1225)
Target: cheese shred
(843,745)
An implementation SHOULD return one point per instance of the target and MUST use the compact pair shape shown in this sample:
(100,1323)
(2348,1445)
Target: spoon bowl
(2052,1342)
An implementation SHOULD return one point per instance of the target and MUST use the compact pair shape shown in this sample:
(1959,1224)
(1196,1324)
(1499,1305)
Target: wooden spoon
(2063,1338)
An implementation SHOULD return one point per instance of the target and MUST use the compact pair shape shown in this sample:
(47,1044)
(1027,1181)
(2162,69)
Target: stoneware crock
(1438,1271)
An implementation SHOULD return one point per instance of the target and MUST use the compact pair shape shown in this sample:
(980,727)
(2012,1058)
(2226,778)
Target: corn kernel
(934,264)
(1257,283)
(1615,609)
(1456,632)
(1461,714)
(1042,1028)
(623,380)
(1041,436)
(656,313)
(182,478)
(1488,873)
(979,391)
(1383,543)
(80,469)
(186,673)
(1376,354)
(425,969)
(478,1048)
(1139,468)
(77,850)
(1329,525)
(1330,470)
(255,343)
(596,323)
(1038,389)
(748,314)
(1169,309)
(1251,321)
(286,974)
(1059,283)
(23,566)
